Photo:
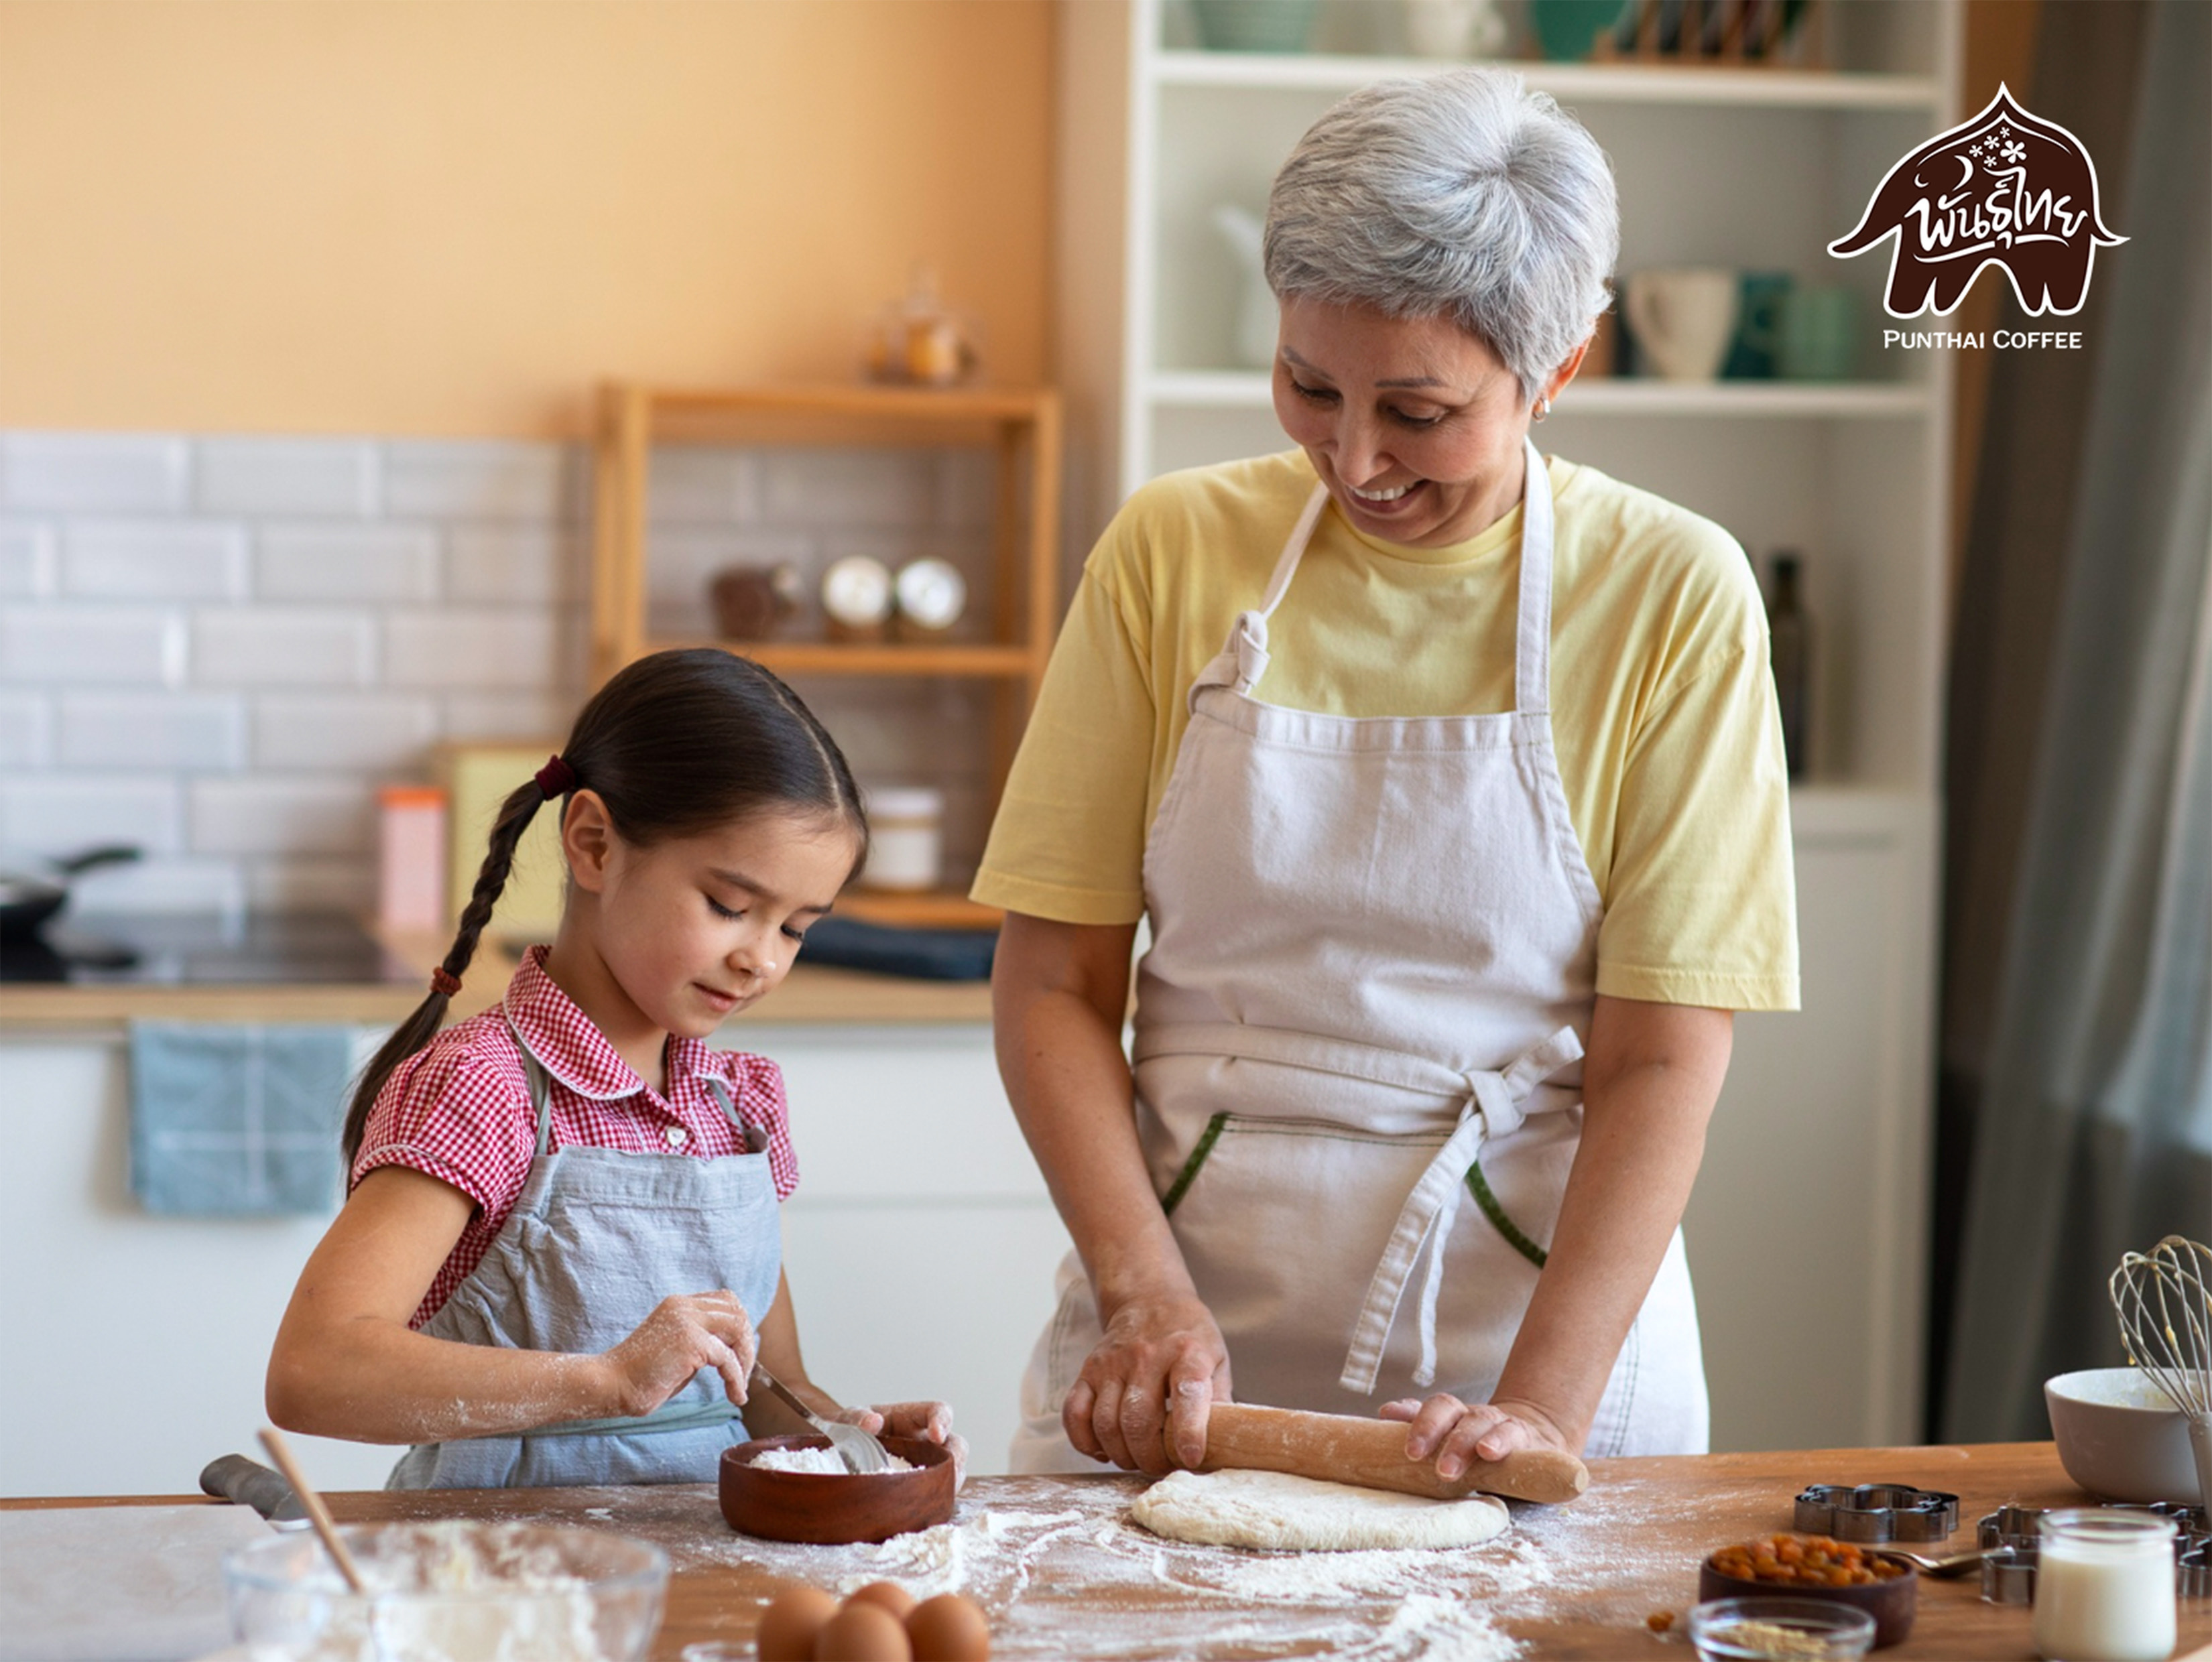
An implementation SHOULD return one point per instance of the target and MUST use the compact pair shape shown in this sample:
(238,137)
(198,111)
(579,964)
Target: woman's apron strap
(1494,1103)
(1243,659)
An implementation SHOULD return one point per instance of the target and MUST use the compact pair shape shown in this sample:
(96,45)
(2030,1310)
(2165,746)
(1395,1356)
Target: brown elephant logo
(2005,189)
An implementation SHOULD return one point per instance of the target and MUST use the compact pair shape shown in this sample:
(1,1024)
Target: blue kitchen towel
(929,955)
(237,1120)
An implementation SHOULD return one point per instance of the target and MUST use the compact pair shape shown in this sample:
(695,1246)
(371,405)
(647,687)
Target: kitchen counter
(1063,1575)
(813,995)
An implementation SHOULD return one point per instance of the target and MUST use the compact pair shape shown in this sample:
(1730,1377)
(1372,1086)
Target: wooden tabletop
(1062,1573)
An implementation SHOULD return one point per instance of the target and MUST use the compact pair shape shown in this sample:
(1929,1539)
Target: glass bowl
(451,1590)
(1770,1630)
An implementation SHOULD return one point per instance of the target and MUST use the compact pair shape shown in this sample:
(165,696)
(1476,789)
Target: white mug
(1683,317)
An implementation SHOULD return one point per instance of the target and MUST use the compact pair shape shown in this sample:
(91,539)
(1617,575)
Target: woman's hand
(684,1333)
(1459,1433)
(1152,1380)
(926,1422)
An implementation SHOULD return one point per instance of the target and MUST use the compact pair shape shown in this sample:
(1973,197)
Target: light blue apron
(598,1237)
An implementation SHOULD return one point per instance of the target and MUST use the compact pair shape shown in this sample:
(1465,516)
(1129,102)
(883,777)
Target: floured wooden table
(1063,1573)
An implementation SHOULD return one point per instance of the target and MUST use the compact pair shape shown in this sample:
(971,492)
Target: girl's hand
(1458,1434)
(930,1422)
(684,1334)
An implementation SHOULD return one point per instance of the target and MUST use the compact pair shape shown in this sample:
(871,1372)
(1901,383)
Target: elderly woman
(1449,779)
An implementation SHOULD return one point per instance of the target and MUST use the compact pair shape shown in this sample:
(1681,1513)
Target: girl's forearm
(375,1381)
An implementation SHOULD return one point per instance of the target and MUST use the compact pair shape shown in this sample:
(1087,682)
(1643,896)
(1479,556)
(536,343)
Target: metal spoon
(860,1452)
(1944,1569)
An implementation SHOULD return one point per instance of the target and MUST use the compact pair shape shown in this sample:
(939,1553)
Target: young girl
(560,1257)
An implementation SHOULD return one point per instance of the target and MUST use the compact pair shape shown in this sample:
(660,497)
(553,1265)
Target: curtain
(2085,1048)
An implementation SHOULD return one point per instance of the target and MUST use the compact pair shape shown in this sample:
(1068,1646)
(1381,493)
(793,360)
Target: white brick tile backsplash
(282,646)
(848,488)
(306,477)
(701,484)
(264,816)
(477,648)
(95,472)
(545,715)
(139,560)
(477,479)
(296,562)
(193,732)
(162,882)
(967,489)
(26,560)
(60,813)
(113,645)
(364,732)
(25,729)
(310,883)
(540,564)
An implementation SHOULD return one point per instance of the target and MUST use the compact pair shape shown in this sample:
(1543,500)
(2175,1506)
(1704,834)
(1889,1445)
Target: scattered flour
(826,1461)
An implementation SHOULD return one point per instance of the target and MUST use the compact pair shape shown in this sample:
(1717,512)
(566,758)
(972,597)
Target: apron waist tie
(1495,1105)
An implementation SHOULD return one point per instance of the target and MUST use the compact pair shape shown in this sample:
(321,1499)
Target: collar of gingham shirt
(458,1110)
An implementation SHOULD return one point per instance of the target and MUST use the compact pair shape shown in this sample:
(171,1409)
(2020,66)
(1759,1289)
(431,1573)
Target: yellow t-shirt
(1663,704)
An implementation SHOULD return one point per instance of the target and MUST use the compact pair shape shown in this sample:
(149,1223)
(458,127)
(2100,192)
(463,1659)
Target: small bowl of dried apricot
(1814,1567)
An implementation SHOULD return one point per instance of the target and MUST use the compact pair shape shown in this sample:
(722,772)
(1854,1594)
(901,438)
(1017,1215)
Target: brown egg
(890,1594)
(789,1624)
(862,1632)
(949,1628)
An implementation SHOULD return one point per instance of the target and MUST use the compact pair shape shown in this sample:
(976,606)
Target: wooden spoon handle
(1371,1453)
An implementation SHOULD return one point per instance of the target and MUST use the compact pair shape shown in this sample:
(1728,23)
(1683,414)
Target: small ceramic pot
(836,1508)
(1891,1603)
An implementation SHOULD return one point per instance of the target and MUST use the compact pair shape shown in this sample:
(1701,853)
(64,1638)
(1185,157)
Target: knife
(248,1482)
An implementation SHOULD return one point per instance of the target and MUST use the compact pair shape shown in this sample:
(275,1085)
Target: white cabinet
(920,1247)
(1755,169)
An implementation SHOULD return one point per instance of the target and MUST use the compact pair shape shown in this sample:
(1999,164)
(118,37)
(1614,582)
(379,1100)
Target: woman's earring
(1543,409)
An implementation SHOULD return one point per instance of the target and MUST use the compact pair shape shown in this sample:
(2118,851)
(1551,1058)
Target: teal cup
(1756,353)
(1818,335)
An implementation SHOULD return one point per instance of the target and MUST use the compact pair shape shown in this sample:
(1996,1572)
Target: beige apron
(1359,1044)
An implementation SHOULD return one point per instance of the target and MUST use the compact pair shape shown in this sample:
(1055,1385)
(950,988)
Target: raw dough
(1274,1509)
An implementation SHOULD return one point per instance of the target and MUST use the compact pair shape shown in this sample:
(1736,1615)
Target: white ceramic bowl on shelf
(451,1591)
(2120,1437)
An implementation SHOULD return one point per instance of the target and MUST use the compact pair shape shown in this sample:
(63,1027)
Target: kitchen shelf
(1018,605)
(1216,389)
(937,909)
(1704,84)
(974,660)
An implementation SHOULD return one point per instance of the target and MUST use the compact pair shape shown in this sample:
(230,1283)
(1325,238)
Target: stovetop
(253,949)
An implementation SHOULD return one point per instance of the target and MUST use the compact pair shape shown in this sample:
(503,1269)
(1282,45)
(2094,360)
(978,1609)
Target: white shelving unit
(1816,1174)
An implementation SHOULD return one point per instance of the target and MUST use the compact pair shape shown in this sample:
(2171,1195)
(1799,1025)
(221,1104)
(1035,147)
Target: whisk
(2164,1298)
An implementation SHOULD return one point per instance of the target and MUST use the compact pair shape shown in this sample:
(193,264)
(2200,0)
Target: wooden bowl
(1891,1603)
(836,1508)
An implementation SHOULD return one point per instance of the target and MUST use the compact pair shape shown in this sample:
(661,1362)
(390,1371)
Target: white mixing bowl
(2120,1437)
(450,1591)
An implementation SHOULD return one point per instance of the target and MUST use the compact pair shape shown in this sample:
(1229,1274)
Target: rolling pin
(1371,1453)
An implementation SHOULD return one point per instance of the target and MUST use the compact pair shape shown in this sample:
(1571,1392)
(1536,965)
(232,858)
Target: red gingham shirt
(459,1111)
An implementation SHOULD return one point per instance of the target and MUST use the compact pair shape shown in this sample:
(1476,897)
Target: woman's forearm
(1652,1076)
(1058,993)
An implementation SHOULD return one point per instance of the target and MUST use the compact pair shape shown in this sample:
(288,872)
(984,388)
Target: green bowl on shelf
(1269,26)
(1567,29)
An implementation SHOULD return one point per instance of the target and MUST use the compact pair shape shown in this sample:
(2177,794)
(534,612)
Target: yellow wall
(452,216)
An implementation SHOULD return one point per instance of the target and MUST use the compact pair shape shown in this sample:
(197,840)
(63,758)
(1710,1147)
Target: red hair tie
(557,778)
(444,980)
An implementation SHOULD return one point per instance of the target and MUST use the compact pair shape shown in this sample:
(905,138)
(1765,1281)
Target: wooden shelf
(937,909)
(1741,86)
(971,659)
(1244,389)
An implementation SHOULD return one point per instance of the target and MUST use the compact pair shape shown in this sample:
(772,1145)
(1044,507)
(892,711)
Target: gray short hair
(1462,194)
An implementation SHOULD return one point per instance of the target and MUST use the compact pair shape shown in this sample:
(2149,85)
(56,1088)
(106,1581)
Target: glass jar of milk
(2104,1588)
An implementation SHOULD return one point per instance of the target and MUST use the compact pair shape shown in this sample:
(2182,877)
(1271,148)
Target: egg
(862,1632)
(890,1594)
(949,1628)
(789,1625)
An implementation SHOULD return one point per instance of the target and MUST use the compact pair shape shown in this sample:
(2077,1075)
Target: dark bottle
(1790,632)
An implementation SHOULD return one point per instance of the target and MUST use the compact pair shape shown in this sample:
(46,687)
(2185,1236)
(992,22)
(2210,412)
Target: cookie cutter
(2014,1526)
(2009,1575)
(1871,1513)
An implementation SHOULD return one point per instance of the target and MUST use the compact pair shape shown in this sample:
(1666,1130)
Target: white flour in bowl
(826,1461)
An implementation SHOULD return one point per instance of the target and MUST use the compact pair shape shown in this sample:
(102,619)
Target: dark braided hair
(677,743)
